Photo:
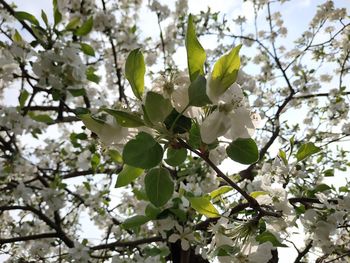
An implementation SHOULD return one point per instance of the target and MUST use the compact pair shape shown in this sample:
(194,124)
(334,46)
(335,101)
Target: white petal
(185,244)
(112,133)
(212,90)
(242,125)
(179,98)
(173,238)
(215,125)
(233,93)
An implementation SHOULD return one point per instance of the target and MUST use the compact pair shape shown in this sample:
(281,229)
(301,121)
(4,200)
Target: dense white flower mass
(136,131)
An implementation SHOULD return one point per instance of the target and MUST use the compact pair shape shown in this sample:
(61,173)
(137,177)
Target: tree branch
(27,238)
(128,243)
(43,217)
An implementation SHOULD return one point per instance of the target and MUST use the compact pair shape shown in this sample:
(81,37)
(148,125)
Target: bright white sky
(296,14)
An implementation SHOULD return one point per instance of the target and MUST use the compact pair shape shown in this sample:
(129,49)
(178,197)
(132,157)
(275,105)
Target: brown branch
(27,238)
(220,174)
(133,243)
(66,119)
(301,254)
(43,217)
(23,23)
(205,224)
(252,201)
(88,172)
(318,95)
(304,200)
(122,96)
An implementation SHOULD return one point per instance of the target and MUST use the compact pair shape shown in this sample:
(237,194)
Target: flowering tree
(85,122)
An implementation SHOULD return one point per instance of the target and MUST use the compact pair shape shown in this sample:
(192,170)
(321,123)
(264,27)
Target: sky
(296,13)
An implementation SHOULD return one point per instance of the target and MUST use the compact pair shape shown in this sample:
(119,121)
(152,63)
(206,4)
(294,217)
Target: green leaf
(255,194)
(140,194)
(56,14)
(157,107)
(21,15)
(225,72)
(38,33)
(195,52)
(203,206)
(226,251)
(95,161)
(85,28)
(179,214)
(115,156)
(152,212)
(93,124)
(44,17)
(125,119)
(127,175)
(176,157)
(283,156)
(23,98)
(182,125)
(41,118)
(343,189)
(243,151)
(329,173)
(17,37)
(159,186)
(87,49)
(77,92)
(220,191)
(73,24)
(268,236)
(306,150)
(135,72)
(135,221)
(90,75)
(195,136)
(143,151)
(321,188)
(197,92)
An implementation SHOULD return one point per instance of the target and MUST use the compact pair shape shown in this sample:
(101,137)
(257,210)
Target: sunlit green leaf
(195,53)
(203,206)
(73,24)
(306,150)
(225,72)
(220,191)
(87,49)
(115,156)
(85,28)
(125,119)
(135,72)
(255,194)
